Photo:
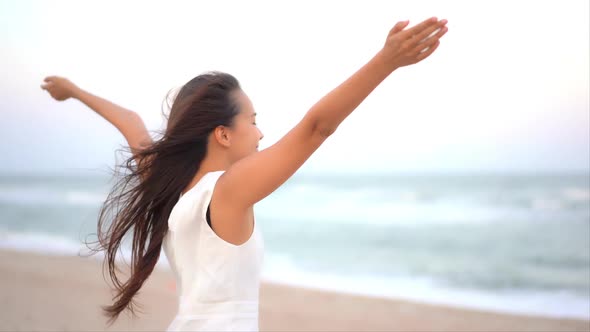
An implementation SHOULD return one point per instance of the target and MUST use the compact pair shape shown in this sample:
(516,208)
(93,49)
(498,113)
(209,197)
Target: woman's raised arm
(128,122)
(252,178)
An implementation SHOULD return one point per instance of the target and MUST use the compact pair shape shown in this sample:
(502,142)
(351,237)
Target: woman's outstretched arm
(256,176)
(128,122)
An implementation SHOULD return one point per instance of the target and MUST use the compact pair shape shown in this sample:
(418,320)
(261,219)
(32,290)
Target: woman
(192,191)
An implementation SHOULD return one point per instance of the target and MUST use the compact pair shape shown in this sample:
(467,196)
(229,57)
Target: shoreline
(461,299)
(52,292)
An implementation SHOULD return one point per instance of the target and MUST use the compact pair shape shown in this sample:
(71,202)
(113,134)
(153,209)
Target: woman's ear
(222,135)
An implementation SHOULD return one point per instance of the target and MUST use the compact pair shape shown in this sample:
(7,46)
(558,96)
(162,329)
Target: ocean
(517,243)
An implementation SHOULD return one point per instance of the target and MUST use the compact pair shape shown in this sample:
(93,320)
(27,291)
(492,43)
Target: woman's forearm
(128,122)
(333,108)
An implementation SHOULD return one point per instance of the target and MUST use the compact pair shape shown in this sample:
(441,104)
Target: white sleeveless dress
(217,282)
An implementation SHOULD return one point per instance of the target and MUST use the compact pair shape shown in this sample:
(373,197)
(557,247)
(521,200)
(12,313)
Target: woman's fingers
(46,86)
(428,42)
(60,88)
(419,27)
(49,78)
(399,26)
(406,47)
(49,82)
(429,30)
(428,52)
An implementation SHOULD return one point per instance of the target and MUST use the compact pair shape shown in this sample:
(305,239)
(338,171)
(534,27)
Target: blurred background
(463,180)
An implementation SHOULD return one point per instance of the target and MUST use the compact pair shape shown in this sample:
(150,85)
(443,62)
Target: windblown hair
(143,197)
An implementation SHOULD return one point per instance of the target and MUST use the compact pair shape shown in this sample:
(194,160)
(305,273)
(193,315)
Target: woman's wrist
(77,93)
(382,60)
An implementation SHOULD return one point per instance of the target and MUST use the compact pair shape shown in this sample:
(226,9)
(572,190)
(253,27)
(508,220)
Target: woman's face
(244,132)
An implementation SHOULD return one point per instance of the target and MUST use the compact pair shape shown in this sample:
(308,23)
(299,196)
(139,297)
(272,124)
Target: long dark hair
(143,197)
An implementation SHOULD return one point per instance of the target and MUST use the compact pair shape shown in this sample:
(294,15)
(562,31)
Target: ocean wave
(557,304)
(76,197)
(42,195)
(416,206)
(52,244)
(576,194)
(40,243)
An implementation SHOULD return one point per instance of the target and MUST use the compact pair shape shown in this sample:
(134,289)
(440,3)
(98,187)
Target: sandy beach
(59,293)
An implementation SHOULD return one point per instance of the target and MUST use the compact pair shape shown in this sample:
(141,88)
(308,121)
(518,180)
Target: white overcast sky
(507,90)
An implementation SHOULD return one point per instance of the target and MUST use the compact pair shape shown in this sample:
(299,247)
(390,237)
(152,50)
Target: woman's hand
(407,47)
(60,88)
